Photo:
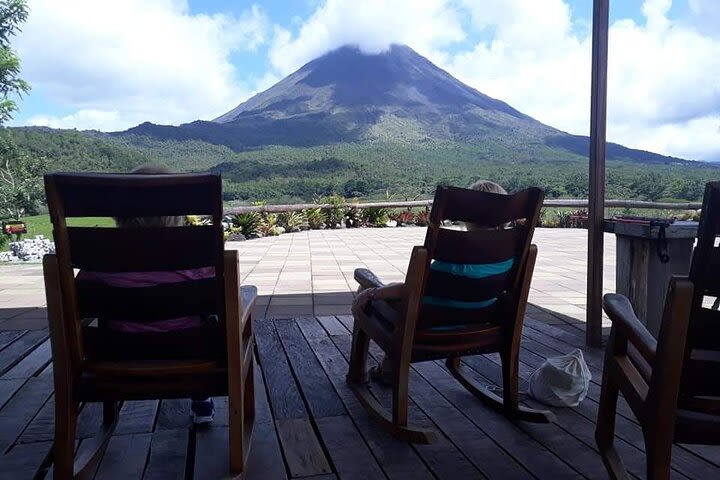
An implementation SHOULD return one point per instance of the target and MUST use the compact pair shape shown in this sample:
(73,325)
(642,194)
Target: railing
(556,202)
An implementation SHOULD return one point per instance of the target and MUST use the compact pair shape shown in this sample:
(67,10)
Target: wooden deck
(309,424)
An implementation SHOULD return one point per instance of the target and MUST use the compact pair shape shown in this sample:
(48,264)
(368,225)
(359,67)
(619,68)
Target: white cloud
(82,120)
(135,60)
(373,25)
(663,88)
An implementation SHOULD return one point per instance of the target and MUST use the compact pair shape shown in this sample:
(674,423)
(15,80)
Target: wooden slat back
(107,252)
(474,277)
(132,195)
(143,249)
(702,353)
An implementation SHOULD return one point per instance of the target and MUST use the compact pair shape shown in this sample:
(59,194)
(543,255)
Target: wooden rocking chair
(673,384)
(465,293)
(92,363)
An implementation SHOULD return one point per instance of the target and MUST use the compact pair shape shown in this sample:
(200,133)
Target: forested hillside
(370,169)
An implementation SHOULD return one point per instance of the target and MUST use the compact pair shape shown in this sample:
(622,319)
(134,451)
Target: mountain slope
(397,96)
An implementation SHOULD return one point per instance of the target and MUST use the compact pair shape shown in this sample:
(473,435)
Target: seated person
(393,292)
(203,409)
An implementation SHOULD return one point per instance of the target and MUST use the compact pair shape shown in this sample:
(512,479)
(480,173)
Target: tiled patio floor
(311,273)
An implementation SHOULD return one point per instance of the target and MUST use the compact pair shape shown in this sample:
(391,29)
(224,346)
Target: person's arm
(390,292)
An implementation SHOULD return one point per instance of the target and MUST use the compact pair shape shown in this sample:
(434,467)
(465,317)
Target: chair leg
(357,372)
(400,392)
(66,414)
(110,412)
(658,453)
(605,429)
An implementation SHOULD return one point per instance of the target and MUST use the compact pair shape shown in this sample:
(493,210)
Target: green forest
(368,170)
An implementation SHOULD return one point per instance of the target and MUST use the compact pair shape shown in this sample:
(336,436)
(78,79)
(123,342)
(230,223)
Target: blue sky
(113,64)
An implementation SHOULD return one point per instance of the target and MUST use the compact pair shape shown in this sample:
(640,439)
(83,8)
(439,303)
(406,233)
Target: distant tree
(12,14)
(21,187)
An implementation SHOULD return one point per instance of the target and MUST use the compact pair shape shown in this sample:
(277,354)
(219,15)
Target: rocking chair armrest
(623,317)
(367,279)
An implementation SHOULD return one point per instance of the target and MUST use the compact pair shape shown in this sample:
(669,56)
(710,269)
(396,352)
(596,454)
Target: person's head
(144,222)
(490,187)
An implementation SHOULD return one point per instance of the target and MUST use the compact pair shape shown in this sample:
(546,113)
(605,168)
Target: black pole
(596,210)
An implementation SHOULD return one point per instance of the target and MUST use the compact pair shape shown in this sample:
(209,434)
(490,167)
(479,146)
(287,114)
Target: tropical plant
(269,226)
(249,224)
(197,220)
(335,214)
(375,216)
(353,218)
(422,218)
(293,221)
(404,217)
(315,218)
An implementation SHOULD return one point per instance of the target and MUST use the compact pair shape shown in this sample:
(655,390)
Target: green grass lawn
(40,224)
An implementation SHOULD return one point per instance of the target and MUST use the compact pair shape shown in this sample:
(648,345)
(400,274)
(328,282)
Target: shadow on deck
(310,425)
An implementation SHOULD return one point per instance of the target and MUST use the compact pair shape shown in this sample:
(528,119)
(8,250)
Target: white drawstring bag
(561,381)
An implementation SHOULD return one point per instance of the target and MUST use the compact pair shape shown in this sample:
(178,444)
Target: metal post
(596,206)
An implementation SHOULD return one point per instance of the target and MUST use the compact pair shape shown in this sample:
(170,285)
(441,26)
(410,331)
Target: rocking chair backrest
(472,275)
(109,251)
(701,368)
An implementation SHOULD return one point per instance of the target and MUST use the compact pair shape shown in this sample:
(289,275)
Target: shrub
(353,218)
(293,221)
(404,217)
(422,218)
(375,216)
(335,215)
(269,226)
(248,223)
(315,218)
(197,220)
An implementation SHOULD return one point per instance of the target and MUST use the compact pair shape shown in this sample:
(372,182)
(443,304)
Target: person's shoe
(203,411)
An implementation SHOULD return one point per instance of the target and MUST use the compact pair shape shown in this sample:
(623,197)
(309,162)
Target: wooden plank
(168,455)
(524,449)
(42,427)
(322,400)
(302,450)
(398,459)
(125,457)
(332,325)
(90,419)
(8,389)
(447,457)
(283,392)
(347,321)
(18,349)
(32,363)
(265,459)
(24,461)
(212,459)
(137,416)
(9,336)
(22,407)
(349,453)
(569,419)
(174,414)
(262,406)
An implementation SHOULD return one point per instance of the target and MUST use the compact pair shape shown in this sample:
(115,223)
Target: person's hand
(362,300)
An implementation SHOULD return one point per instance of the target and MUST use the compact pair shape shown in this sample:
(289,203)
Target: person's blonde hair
(490,187)
(145,222)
